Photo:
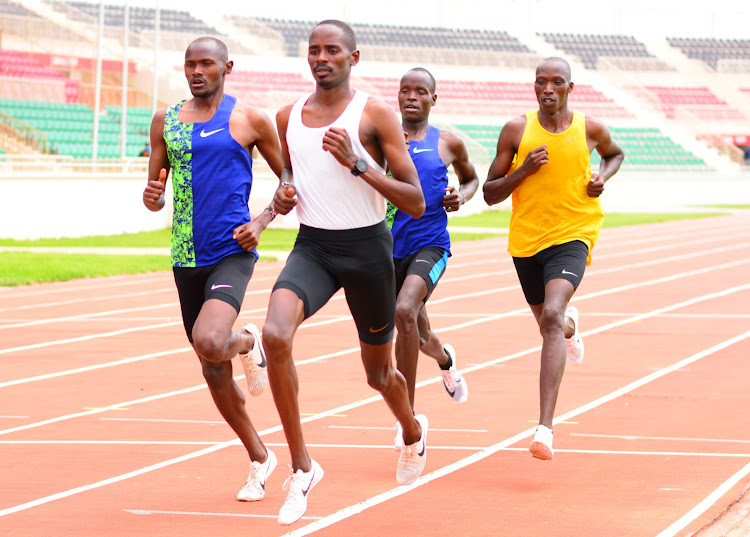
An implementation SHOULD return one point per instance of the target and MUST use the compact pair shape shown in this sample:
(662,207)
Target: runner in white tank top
(322,183)
(335,144)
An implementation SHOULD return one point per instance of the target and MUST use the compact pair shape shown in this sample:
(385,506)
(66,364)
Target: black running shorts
(566,261)
(428,263)
(359,260)
(225,280)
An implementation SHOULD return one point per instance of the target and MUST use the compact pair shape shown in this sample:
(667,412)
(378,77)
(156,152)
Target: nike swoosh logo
(215,286)
(205,134)
(309,485)
(421,261)
(375,331)
(262,357)
(571,273)
(418,150)
(424,448)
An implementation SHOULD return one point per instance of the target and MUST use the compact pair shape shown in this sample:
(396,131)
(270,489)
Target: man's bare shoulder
(595,127)
(451,139)
(518,122)
(285,111)
(252,113)
(160,114)
(376,105)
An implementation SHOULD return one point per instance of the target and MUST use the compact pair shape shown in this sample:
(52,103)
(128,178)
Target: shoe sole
(541,451)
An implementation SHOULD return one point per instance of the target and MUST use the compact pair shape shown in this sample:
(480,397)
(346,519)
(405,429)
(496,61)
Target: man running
(421,247)
(207,142)
(335,143)
(543,160)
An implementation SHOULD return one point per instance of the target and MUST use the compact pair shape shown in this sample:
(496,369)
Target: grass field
(25,268)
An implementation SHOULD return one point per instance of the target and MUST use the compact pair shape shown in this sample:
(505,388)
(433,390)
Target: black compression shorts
(566,261)
(359,260)
(429,263)
(225,280)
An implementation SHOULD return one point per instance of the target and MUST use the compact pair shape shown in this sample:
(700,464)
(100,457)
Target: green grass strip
(25,268)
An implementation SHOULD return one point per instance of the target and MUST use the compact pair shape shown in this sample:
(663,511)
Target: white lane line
(198,513)
(383,497)
(432,429)
(670,438)
(85,338)
(707,502)
(115,479)
(108,442)
(619,253)
(349,511)
(388,447)
(94,367)
(165,420)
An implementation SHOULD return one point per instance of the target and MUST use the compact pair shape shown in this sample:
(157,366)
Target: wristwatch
(360,167)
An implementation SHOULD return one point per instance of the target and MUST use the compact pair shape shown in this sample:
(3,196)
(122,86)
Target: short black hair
(562,62)
(430,78)
(349,40)
(221,47)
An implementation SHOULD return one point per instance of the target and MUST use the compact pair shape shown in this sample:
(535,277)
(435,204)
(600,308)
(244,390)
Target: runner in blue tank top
(207,144)
(421,247)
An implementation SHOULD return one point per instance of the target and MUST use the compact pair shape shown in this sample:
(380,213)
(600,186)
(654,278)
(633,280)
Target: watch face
(361,165)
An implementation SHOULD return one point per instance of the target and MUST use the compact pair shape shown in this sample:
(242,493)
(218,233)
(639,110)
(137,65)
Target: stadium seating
(699,101)
(644,147)
(142,18)
(296,31)
(496,98)
(590,49)
(12,8)
(68,128)
(712,51)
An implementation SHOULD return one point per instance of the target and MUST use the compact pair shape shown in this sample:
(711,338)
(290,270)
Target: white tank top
(328,195)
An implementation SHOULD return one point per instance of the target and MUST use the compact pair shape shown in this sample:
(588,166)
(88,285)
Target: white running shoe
(413,457)
(254,363)
(299,484)
(575,342)
(255,487)
(541,446)
(454,383)
(398,440)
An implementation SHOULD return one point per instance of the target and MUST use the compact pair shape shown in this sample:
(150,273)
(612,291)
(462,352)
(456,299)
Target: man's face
(552,86)
(204,69)
(415,96)
(329,57)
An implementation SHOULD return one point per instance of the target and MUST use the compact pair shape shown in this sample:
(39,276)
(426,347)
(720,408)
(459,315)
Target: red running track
(106,427)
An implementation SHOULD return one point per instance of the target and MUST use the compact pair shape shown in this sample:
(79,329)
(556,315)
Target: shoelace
(409,455)
(293,477)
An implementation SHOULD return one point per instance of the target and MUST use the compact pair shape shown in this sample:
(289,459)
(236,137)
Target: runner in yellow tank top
(543,161)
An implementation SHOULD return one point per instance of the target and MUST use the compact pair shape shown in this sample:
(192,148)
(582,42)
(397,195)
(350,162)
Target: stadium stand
(718,54)
(497,98)
(619,51)
(142,18)
(698,101)
(483,77)
(12,8)
(267,89)
(67,129)
(644,146)
(417,43)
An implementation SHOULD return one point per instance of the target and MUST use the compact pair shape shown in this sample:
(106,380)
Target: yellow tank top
(551,207)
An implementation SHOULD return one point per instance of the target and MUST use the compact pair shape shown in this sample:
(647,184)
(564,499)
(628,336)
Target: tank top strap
(222,114)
